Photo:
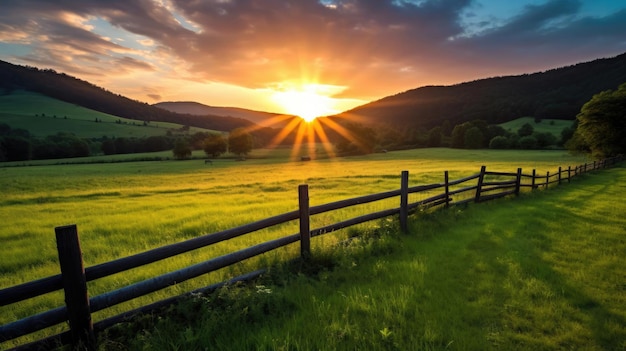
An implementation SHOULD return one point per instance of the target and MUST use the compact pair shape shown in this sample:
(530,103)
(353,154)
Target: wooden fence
(484,186)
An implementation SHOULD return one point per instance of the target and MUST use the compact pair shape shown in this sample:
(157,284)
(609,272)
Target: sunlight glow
(307,102)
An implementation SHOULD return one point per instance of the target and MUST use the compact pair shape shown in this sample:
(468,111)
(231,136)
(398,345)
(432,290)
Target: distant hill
(554,94)
(42,116)
(72,90)
(265,119)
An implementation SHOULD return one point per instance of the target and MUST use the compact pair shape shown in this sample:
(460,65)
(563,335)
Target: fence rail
(73,278)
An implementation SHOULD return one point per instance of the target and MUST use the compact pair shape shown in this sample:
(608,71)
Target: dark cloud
(155,97)
(373,46)
(548,35)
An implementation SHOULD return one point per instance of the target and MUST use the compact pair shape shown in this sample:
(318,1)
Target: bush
(499,142)
(528,142)
(473,138)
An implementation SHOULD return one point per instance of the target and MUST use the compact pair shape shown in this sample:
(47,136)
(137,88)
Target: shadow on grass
(560,237)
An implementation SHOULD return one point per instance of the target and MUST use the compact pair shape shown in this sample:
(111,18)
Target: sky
(283,56)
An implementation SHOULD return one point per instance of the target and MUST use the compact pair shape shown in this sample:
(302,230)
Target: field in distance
(129,207)
(552,126)
(43,116)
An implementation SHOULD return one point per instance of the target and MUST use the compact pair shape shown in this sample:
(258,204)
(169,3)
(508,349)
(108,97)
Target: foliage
(60,145)
(240,142)
(544,140)
(476,138)
(182,149)
(458,135)
(15,148)
(67,88)
(553,126)
(528,142)
(434,137)
(215,145)
(499,142)
(602,123)
(473,138)
(553,94)
(362,140)
(525,130)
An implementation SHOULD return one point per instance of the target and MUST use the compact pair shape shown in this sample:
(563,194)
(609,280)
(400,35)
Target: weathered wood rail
(73,278)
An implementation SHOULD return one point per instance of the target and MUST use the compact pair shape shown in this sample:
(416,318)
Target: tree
(434,137)
(362,140)
(528,142)
(214,145)
(499,142)
(16,148)
(458,135)
(108,147)
(156,143)
(525,130)
(602,123)
(240,142)
(544,139)
(182,149)
(473,138)
(566,134)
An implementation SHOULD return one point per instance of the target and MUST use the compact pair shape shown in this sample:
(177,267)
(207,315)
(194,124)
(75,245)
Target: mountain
(69,89)
(264,119)
(557,94)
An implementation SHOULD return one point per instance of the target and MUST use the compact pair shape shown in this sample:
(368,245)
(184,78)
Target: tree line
(18,144)
(600,130)
(555,94)
(73,90)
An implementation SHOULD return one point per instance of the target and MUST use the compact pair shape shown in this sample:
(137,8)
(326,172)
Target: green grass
(553,126)
(43,116)
(540,272)
(128,207)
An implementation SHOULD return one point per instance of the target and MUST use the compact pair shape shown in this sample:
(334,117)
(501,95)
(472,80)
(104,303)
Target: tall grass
(126,208)
(541,272)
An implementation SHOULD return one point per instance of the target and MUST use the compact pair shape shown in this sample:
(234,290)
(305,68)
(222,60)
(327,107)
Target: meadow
(43,116)
(123,208)
(544,271)
(552,126)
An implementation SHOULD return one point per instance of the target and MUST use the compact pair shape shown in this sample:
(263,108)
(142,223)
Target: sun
(308,102)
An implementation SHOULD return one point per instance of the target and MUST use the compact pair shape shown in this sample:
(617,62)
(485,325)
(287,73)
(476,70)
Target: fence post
(594,166)
(569,174)
(404,201)
(75,287)
(559,175)
(479,186)
(518,181)
(547,179)
(532,185)
(305,224)
(447,188)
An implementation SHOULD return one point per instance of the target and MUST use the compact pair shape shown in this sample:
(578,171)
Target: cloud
(155,97)
(547,35)
(371,47)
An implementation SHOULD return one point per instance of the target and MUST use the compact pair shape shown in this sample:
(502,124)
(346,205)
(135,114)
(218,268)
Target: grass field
(553,126)
(540,272)
(43,116)
(125,208)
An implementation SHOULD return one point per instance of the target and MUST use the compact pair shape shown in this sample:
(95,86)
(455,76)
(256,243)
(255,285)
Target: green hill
(66,88)
(43,116)
(554,94)
(552,126)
